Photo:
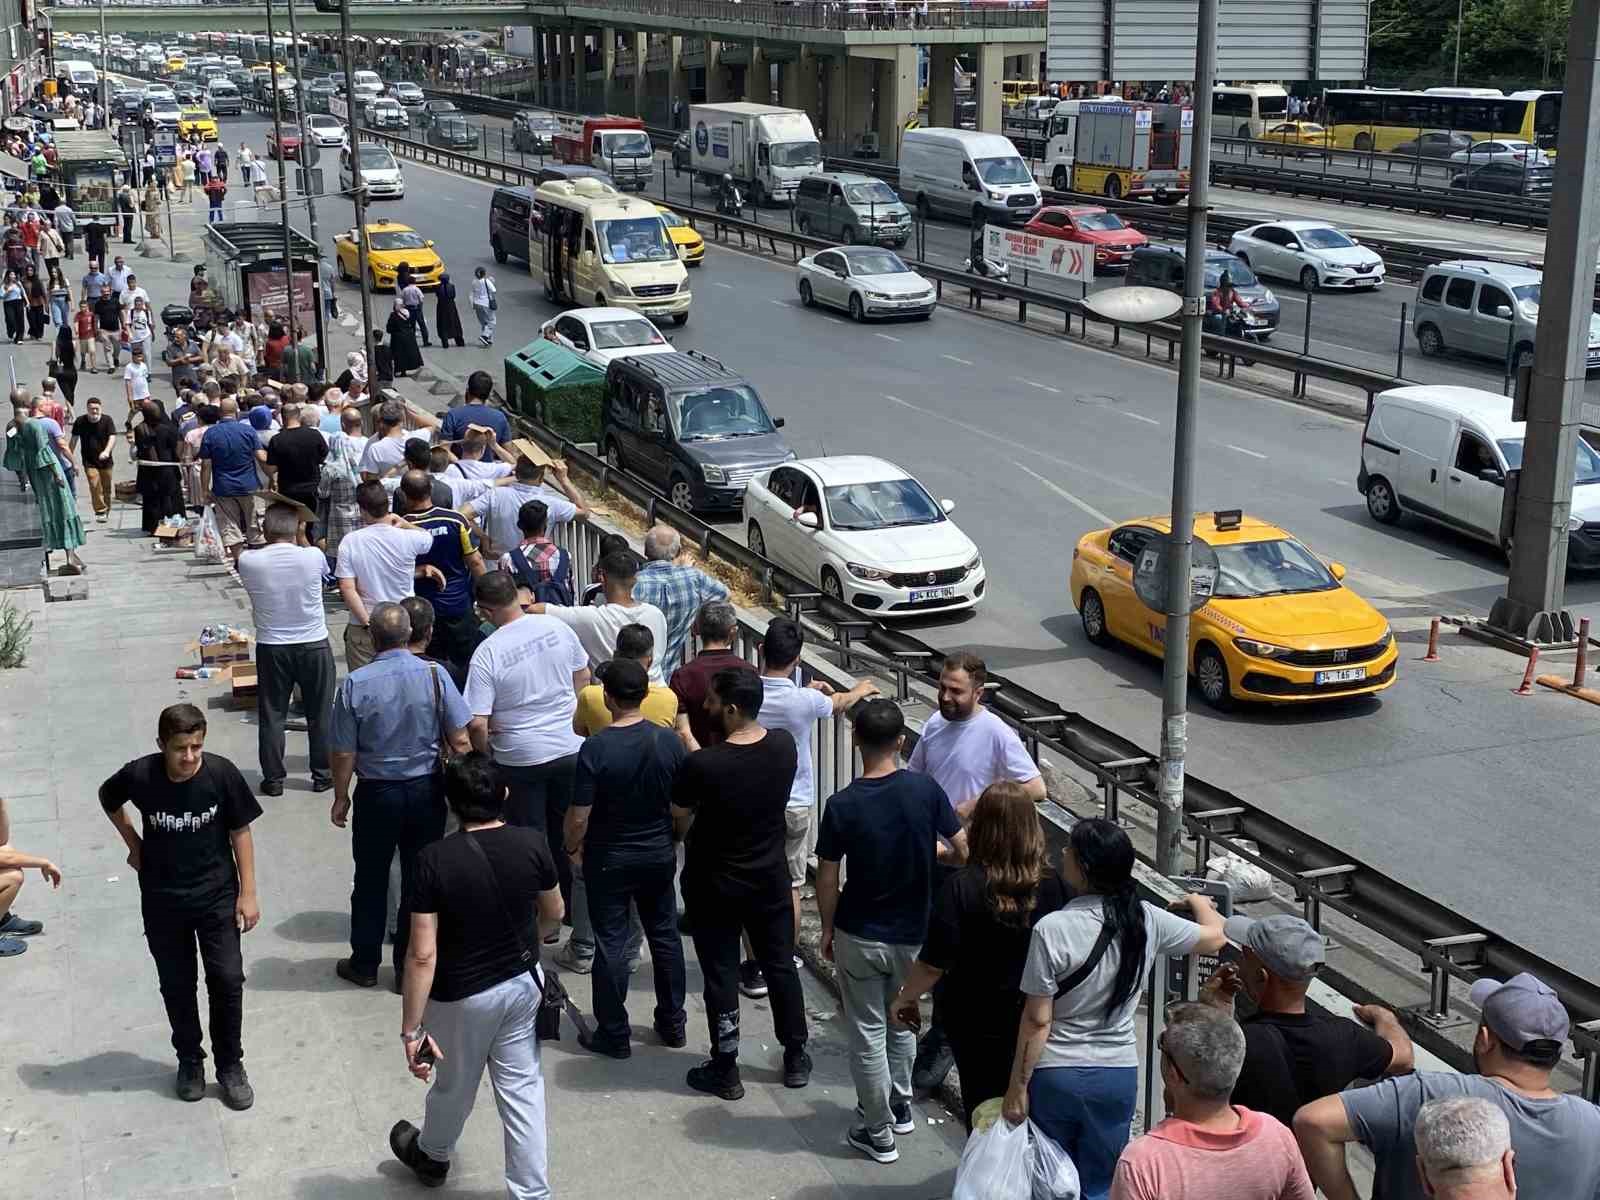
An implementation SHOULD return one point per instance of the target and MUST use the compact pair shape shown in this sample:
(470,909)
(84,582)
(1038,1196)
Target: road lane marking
(965,362)
(1043,387)
(1133,416)
(888,337)
(720,284)
(1066,495)
(1242,450)
(779,303)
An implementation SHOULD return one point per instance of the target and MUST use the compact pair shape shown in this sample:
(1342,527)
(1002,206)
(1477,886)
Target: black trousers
(388,815)
(453,641)
(613,885)
(984,1049)
(720,914)
(279,669)
(538,798)
(173,935)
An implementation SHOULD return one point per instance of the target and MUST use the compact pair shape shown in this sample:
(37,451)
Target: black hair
(528,471)
(480,385)
(610,543)
(416,484)
(420,611)
(626,682)
(781,645)
(416,452)
(635,642)
(495,589)
(473,789)
(179,719)
(739,688)
(1544,1053)
(1105,855)
(533,517)
(620,566)
(373,498)
(878,724)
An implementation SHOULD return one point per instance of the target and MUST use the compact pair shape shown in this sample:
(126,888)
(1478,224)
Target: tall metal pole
(1455,79)
(358,188)
(1536,589)
(105,63)
(1175,663)
(283,177)
(304,172)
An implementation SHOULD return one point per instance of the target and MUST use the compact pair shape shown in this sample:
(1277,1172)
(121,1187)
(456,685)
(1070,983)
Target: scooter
(730,201)
(1229,324)
(978,263)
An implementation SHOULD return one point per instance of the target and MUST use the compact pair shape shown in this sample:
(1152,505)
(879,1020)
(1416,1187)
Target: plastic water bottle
(199,672)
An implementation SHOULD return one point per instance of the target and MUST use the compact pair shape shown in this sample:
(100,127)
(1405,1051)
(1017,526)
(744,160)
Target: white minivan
(966,174)
(1443,453)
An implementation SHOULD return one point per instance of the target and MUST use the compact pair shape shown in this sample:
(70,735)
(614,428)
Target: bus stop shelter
(244,260)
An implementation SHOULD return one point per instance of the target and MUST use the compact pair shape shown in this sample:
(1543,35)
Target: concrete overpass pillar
(758,77)
(718,87)
(942,85)
(991,70)
(556,58)
(677,81)
(641,52)
(797,85)
(861,80)
(897,98)
(608,69)
(835,80)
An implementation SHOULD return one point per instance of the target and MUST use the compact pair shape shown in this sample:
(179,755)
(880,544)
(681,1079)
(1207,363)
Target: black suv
(509,210)
(689,427)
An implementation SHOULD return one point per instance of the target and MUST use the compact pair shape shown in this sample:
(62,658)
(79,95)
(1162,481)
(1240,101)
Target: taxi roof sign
(1228,518)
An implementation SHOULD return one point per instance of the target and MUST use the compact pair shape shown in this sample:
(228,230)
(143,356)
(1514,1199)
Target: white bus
(1245,110)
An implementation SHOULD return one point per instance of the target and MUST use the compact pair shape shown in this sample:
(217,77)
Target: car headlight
(713,474)
(879,296)
(1267,297)
(865,572)
(995,196)
(1260,649)
(977,561)
(620,289)
(1574,524)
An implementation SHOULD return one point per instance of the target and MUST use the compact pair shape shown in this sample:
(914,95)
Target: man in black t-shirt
(197,885)
(619,829)
(95,433)
(294,458)
(736,879)
(1292,1055)
(482,899)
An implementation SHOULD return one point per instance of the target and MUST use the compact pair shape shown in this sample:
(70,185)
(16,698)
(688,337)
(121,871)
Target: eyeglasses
(1161,1044)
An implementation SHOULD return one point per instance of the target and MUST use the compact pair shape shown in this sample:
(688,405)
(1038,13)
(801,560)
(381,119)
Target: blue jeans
(388,815)
(58,311)
(1087,1111)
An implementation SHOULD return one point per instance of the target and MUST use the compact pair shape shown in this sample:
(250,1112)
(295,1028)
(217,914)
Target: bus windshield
(634,239)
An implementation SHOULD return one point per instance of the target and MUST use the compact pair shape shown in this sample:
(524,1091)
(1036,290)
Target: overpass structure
(854,66)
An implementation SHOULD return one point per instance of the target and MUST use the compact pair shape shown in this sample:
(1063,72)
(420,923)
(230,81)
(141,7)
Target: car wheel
(1523,355)
(344,275)
(1092,612)
(847,235)
(614,455)
(806,298)
(1429,341)
(1363,141)
(831,587)
(1058,179)
(857,313)
(500,254)
(754,540)
(1211,674)
(372,282)
(1382,504)
(1308,279)
(681,494)
(803,224)
(1114,187)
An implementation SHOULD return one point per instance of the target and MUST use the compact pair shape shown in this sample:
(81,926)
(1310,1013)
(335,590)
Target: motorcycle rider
(728,199)
(1224,309)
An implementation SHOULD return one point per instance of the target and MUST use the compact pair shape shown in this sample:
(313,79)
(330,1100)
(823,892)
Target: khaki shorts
(797,843)
(236,520)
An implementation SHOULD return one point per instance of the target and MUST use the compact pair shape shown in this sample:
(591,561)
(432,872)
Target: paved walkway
(86,1108)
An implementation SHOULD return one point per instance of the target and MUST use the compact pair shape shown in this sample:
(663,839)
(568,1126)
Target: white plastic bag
(1248,881)
(1055,1176)
(208,539)
(997,1163)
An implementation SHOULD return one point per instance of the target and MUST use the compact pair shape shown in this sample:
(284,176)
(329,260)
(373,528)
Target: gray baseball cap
(1523,1009)
(1289,947)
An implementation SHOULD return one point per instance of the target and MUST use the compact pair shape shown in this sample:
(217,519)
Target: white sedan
(1502,150)
(866,532)
(1315,254)
(865,281)
(325,130)
(598,335)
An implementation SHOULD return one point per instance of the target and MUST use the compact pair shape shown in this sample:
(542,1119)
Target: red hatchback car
(291,144)
(1113,241)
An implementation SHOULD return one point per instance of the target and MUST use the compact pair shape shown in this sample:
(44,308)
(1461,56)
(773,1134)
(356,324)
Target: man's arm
(205,479)
(953,853)
(246,910)
(416,983)
(475,564)
(580,680)
(1322,1129)
(344,767)
(478,734)
(130,835)
(460,740)
(1385,1024)
(551,910)
(559,469)
(574,829)
(685,733)
(845,700)
(352,601)
(682,818)
(827,902)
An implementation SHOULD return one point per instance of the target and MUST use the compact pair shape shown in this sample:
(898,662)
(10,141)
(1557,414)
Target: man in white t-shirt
(386,451)
(377,564)
(136,378)
(494,514)
(965,747)
(284,581)
(522,690)
(597,625)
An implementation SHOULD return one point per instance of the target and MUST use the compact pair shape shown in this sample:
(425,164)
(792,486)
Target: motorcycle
(730,201)
(1230,324)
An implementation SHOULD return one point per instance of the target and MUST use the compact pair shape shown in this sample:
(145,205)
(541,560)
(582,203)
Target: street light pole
(357,187)
(105,63)
(283,182)
(1175,661)
(304,171)
(1455,79)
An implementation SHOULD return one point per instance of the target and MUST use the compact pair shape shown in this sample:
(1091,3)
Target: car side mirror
(808,520)
(1336,569)
(1291,245)
(777,422)
(429,243)
(949,506)
(1503,312)
(1492,475)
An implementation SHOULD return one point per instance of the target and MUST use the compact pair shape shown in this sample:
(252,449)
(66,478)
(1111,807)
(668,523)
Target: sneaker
(933,1062)
(191,1082)
(272,787)
(673,1036)
(751,981)
(12,925)
(878,1145)
(345,969)
(591,1041)
(571,958)
(237,1093)
(717,1079)
(903,1120)
(403,1141)
(322,784)
(796,1068)
(10,947)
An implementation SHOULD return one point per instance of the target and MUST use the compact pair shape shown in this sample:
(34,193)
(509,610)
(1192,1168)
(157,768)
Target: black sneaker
(322,783)
(191,1083)
(933,1062)
(878,1145)
(591,1041)
(403,1141)
(272,787)
(12,925)
(903,1120)
(674,1036)
(345,969)
(796,1068)
(237,1093)
(719,1080)
(751,981)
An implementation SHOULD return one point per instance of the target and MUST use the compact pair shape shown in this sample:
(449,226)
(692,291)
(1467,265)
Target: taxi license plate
(1346,675)
(938,593)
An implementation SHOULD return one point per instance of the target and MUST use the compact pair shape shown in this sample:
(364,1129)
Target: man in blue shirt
(229,451)
(388,718)
(476,411)
(455,553)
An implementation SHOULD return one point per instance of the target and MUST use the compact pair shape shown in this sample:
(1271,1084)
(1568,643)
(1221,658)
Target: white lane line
(965,362)
(720,284)
(1043,387)
(779,303)
(1066,495)
(1133,416)
(1339,482)
(888,337)
(1242,450)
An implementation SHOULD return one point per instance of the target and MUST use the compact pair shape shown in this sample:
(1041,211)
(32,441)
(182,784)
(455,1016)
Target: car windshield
(877,192)
(795,154)
(377,157)
(672,220)
(629,145)
(634,239)
(543,122)
(1238,274)
(881,505)
(386,105)
(396,239)
(1587,468)
(1527,294)
(1098,221)
(444,106)
(617,335)
(1004,170)
(724,411)
(1274,568)
(876,262)
(1324,238)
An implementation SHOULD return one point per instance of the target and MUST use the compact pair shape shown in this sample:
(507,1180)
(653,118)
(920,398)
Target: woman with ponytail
(1075,1071)
(978,940)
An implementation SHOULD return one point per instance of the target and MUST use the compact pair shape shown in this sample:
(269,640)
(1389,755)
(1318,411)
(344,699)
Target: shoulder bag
(1101,945)
(552,996)
(442,758)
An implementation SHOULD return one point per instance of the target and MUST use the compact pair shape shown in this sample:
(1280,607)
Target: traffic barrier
(1525,688)
(1433,642)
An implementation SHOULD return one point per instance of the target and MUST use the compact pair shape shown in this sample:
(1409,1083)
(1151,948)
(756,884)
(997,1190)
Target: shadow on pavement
(108,1071)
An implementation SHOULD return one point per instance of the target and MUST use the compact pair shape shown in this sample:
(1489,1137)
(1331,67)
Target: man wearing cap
(1294,1056)
(1520,1038)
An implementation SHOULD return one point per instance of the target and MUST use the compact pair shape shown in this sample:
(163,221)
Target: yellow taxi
(1280,625)
(197,120)
(1295,137)
(389,243)
(690,245)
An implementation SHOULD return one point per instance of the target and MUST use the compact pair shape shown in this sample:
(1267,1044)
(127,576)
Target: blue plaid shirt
(678,592)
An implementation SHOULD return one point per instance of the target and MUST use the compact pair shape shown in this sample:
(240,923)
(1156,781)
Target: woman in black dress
(446,320)
(66,364)
(403,340)
(156,440)
(38,304)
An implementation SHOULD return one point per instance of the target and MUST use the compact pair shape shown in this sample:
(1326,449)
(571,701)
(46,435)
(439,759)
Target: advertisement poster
(1070,262)
(266,294)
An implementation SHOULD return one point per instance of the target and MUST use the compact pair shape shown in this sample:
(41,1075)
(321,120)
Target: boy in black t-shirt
(197,884)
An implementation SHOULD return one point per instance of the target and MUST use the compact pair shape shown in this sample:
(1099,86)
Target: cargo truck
(619,146)
(766,149)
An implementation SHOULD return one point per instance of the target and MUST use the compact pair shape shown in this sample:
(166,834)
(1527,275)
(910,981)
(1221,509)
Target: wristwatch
(416,1035)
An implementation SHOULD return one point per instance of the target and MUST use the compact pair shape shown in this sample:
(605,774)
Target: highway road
(1445,781)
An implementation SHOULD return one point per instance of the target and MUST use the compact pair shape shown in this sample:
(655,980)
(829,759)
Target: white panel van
(966,174)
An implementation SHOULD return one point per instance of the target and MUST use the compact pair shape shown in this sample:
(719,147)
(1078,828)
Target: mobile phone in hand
(424,1055)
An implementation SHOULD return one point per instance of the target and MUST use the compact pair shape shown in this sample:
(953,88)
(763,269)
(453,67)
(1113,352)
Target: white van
(223,98)
(380,172)
(1443,453)
(967,174)
(367,85)
(78,73)
(589,244)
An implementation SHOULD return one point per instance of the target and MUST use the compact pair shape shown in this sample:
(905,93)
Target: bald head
(390,626)
(230,408)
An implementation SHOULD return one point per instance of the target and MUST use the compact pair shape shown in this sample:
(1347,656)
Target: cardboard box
(221,653)
(245,684)
(531,450)
(175,536)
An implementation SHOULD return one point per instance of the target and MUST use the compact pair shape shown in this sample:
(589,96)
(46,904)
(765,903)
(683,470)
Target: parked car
(1114,240)
(1502,150)
(1432,145)
(866,282)
(598,335)
(453,132)
(1315,254)
(1507,179)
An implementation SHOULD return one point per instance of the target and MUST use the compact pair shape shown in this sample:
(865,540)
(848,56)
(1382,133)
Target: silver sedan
(866,282)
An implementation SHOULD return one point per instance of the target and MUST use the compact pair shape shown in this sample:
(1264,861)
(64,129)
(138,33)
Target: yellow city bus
(1374,119)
